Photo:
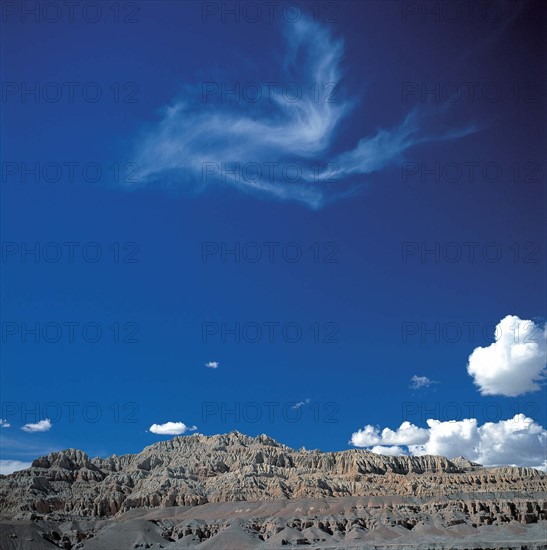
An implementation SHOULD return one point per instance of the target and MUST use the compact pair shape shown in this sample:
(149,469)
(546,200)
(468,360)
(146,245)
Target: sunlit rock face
(254,491)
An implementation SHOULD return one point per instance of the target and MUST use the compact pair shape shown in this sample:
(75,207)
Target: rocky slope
(336,495)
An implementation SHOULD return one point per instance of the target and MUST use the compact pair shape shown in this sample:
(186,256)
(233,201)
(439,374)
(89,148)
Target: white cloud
(451,439)
(171,428)
(212,364)
(366,437)
(517,441)
(515,363)
(417,382)
(10,466)
(4,424)
(406,434)
(301,404)
(42,426)
(390,451)
(195,139)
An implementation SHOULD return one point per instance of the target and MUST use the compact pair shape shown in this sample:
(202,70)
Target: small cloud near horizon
(212,364)
(10,466)
(171,428)
(515,441)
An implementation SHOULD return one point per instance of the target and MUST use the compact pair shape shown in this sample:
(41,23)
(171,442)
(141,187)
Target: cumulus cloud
(281,145)
(42,426)
(171,428)
(212,364)
(406,434)
(10,466)
(417,382)
(516,441)
(389,451)
(451,439)
(4,424)
(515,363)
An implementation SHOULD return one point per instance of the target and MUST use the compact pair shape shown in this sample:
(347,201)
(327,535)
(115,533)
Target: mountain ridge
(197,469)
(234,492)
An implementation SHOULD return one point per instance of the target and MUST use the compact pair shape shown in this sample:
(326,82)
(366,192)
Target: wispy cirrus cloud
(417,382)
(23,448)
(273,150)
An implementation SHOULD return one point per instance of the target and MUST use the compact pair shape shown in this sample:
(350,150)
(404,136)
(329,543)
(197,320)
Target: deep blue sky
(368,293)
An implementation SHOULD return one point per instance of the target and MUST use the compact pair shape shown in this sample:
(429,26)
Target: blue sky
(315,255)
